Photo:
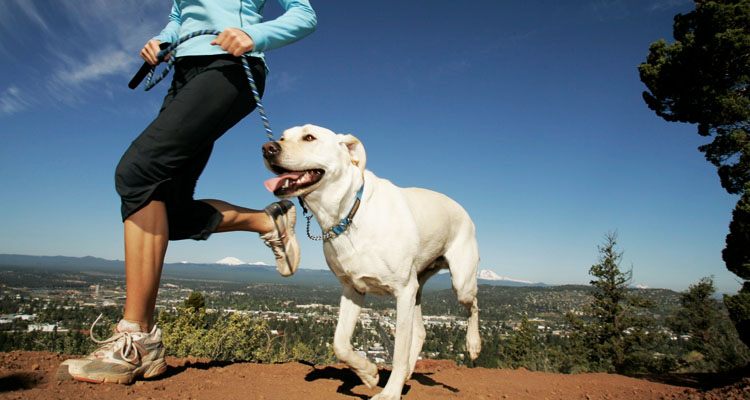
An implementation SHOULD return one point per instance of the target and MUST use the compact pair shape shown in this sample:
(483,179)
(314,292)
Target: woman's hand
(150,50)
(234,41)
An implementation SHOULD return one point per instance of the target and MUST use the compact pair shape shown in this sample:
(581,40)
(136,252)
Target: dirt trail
(31,375)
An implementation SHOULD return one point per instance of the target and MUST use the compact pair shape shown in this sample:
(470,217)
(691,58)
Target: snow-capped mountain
(231,261)
(488,275)
(235,262)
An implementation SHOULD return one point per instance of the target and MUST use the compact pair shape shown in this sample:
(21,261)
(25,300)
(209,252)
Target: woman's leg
(275,224)
(236,218)
(146,238)
(157,203)
(160,170)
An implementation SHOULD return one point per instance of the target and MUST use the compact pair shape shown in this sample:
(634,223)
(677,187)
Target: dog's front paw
(474,346)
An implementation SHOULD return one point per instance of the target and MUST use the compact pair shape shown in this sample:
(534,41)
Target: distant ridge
(227,269)
(243,273)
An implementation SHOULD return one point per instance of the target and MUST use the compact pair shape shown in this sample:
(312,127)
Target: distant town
(59,299)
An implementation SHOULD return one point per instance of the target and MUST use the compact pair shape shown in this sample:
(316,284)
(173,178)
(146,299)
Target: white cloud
(11,9)
(94,68)
(12,101)
(661,5)
(31,12)
(125,23)
(91,44)
(284,81)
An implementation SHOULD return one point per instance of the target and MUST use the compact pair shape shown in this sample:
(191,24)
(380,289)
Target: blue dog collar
(339,228)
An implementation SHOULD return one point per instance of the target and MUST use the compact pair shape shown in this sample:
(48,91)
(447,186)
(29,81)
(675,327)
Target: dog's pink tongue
(274,183)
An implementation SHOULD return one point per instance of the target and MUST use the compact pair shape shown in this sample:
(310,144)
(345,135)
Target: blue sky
(528,113)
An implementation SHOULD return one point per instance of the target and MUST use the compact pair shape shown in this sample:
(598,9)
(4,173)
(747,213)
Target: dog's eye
(281,138)
(308,138)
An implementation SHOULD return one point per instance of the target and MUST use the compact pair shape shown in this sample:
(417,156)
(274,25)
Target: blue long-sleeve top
(188,16)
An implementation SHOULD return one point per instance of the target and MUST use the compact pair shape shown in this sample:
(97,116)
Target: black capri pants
(208,95)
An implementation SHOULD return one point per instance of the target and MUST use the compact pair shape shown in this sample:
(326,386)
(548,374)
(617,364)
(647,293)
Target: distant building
(314,305)
(44,328)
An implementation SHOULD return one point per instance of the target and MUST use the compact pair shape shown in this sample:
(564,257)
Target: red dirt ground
(31,375)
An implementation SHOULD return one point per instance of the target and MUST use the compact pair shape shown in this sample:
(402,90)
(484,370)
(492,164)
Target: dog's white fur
(398,239)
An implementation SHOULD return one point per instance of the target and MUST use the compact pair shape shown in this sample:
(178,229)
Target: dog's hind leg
(419,334)
(463,261)
(417,339)
(350,307)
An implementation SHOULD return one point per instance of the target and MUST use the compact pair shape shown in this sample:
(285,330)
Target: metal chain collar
(339,228)
(324,237)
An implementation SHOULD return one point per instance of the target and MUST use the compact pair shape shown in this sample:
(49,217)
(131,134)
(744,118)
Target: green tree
(713,344)
(529,349)
(703,78)
(235,337)
(736,256)
(196,301)
(579,348)
(619,337)
(521,347)
(232,337)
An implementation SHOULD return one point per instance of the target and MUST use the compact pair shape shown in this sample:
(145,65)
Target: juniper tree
(232,337)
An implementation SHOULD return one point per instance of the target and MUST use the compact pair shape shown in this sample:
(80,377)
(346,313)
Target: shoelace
(112,342)
(276,245)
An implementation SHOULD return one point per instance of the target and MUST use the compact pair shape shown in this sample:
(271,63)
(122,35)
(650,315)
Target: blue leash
(151,81)
(334,231)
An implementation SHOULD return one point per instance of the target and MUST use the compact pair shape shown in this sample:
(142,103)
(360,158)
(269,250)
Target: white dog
(379,239)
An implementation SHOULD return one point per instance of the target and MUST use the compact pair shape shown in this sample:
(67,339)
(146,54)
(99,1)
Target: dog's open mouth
(288,182)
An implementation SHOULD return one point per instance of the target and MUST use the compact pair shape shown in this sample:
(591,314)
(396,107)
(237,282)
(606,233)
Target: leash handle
(143,71)
(167,48)
(150,81)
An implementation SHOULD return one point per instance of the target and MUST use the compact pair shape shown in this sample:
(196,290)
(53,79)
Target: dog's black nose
(271,149)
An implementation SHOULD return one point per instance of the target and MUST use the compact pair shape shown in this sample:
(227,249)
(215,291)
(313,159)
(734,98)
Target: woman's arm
(298,21)
(170,33)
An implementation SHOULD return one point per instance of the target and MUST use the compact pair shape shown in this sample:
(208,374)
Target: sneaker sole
(146,371)
(275,210)
(63,374)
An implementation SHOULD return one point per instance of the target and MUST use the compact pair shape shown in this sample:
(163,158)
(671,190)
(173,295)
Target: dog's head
(305,157)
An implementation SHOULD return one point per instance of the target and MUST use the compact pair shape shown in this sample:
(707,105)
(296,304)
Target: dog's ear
(356,150)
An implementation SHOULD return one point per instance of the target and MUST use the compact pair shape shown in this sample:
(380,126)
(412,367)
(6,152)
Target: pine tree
(712,345)
(703,78)
(618,337)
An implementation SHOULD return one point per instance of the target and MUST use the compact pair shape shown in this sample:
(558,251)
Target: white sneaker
(126,356)
(282,240)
